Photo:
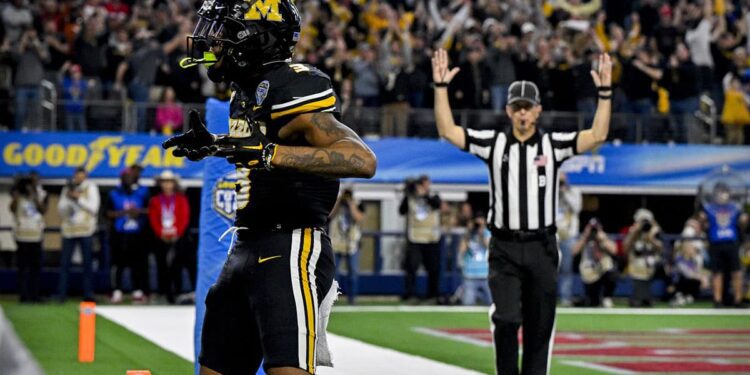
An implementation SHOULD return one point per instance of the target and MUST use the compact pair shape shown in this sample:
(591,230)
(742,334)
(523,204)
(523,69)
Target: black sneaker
(718,305)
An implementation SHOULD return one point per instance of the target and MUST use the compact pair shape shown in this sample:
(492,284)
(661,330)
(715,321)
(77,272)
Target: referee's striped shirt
(523,175)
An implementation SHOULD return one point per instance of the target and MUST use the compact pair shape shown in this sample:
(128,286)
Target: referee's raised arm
(602,75)
(441,77)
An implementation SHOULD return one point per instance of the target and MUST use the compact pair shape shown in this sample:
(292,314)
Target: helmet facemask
(239,43)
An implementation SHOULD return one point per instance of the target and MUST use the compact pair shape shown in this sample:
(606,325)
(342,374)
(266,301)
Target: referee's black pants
(523,283)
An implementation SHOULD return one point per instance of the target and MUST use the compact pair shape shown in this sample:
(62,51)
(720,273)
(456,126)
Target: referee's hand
(441,74)
(601,72)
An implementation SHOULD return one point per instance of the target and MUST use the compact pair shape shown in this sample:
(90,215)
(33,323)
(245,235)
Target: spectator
(644,249)
(27,207)
(30,55)
(366,84)
(90,48)
(500,55)
(169,215)
(689,274)
(169,114)
(679,80)
(735,114)
(568,209)
(422,211)
(142,66)
(639,74)
(74,92)
(118,49)
(344,228)
(17,18)
(473,255)
(725,223)
(698,38)
(598,267)
(59,49)
(79,209)
(470,89)
(126,208)
(665,34)
(395,59)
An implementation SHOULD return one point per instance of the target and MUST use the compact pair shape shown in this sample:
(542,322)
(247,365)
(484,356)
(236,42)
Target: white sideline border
(171,328)
(560,310)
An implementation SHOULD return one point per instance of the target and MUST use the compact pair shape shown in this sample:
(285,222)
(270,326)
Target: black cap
(523,90)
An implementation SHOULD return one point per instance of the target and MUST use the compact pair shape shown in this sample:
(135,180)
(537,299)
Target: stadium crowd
(672,58)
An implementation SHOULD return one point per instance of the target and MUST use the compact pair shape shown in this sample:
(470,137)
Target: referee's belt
(524,235)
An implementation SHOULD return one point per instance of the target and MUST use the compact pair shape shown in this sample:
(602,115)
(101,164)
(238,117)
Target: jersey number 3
(267,10)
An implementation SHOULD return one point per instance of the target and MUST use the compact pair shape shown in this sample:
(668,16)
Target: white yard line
(561,310)
(172,329)
(598,367)
(454,337)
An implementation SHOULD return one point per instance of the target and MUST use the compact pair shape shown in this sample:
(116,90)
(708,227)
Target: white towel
(322,351)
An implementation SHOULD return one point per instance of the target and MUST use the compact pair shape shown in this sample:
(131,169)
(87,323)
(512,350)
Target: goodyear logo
(224,196)
(109,151)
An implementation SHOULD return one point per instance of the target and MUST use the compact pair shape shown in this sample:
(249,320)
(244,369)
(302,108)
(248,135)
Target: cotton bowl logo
(224,196)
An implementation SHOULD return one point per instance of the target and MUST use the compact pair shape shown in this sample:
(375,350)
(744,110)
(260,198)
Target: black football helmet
(244,35)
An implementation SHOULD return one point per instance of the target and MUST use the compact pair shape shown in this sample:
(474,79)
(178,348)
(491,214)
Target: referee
(523,163)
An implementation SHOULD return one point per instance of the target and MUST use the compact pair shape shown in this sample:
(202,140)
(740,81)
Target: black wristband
(604,88)
(440,84)
(605,97)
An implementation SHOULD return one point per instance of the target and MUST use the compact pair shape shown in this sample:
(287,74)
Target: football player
(271,299)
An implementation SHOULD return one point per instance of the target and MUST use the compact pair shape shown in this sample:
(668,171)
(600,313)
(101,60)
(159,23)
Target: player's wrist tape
(269,151)
(440,84)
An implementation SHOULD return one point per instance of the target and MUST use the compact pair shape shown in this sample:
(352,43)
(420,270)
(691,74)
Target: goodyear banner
(57,155)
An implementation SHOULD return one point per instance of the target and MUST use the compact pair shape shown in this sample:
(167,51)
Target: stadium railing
(117,116)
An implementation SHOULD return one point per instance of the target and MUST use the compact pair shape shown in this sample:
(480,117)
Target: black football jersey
(288,198)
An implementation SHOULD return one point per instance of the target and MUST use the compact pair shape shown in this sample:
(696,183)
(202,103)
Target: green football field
(403,331)
(50,332)
(587,342)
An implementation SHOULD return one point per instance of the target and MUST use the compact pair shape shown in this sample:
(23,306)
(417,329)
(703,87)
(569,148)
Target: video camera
(410,186)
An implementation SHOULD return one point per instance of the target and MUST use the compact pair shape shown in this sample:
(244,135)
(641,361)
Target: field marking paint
(597,367)
(561,310)
(453,337)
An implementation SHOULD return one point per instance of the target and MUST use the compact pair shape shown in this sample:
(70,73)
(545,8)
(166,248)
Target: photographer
(27,207)
(79,209)
(30,56)
(597,265)
(345,233)
(422,211)
(473,253)
(643,247)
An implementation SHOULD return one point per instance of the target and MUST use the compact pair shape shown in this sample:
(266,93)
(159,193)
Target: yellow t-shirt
(735,111)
